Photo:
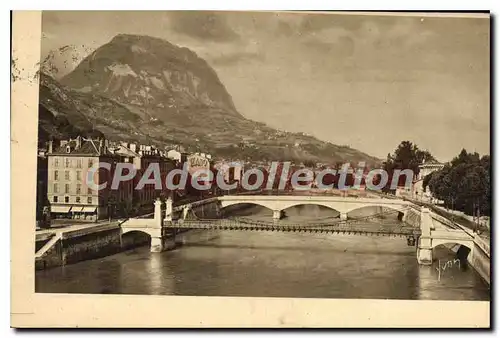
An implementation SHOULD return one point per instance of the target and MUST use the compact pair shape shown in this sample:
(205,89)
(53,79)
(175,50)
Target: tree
(464,184)
(309,163)
(485,202)
(424,156)
(426,181)
(465,158)
(406,156)
(439,184)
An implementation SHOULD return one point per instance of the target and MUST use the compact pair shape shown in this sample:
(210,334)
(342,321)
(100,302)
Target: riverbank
(271,264)
(74,244)
(80,242)
(479,256)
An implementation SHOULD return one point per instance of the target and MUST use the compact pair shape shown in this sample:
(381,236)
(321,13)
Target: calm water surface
(272,264)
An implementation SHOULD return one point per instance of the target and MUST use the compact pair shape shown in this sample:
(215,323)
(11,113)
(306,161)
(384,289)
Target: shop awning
(89,209)
(77,209)
(60,208)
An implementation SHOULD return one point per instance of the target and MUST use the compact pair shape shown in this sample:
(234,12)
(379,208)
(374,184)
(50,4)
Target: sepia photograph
(303,155)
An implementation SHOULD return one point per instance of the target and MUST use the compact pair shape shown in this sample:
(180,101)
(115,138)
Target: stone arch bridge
(343,205)
(428,229)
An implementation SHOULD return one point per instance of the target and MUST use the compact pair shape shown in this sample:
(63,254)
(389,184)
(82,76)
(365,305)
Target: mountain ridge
(149,90)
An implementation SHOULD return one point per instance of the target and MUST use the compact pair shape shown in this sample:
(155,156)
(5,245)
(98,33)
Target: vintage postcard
(250,169)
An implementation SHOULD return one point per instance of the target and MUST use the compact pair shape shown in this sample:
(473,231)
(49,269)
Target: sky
(366,81)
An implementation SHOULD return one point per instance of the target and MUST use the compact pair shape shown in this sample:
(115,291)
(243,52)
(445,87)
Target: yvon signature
(441,268)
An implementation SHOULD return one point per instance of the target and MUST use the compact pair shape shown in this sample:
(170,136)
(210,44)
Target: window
(66,188)
(66,175)
(66,199)
(67,163)
(55,199)
(56,188)
(89,200)
(79,163)
(78,175)
(56,162)
(56,175)
(91,163)
(78,188)
(77,199)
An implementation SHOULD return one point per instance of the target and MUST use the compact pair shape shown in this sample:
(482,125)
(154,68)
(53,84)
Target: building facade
(428,168)
(144,159)
(232,172)
(42,203)
(68,191)
(418,192)
(176,155)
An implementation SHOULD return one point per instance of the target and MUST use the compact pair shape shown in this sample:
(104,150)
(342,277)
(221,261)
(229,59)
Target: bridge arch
(225,204)
(280,205)
(132,238)
(132,231)
(437,242)
(289,209)
(312,203)
(397,208)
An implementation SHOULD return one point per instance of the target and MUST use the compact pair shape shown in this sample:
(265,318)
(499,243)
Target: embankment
(479,258)
(67,247)
(74,246)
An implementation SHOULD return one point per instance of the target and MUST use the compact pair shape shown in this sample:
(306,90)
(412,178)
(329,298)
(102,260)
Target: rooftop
(81,146)
(431,163)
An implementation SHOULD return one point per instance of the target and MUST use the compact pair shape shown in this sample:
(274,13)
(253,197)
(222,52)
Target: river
(274,264)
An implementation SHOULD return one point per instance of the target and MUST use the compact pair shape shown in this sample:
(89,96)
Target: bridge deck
(322,198)
(327,227)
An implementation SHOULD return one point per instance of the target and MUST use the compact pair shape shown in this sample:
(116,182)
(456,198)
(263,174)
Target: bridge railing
(482,244)
(149,215)
(238,224)
(310,192)
(142,220)
(250,221)
(415,207)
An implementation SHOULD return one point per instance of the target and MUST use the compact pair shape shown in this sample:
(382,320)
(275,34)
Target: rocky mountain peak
(150,73)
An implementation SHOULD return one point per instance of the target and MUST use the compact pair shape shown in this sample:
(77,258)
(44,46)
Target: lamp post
(453,209)
(109,211)
(110,208)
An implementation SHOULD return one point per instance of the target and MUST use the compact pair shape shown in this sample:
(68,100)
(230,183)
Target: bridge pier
(157,244)
(160,244)
(169,209)
(424,251)
(424,255)
(160,241)
(185,212)
(277,214)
